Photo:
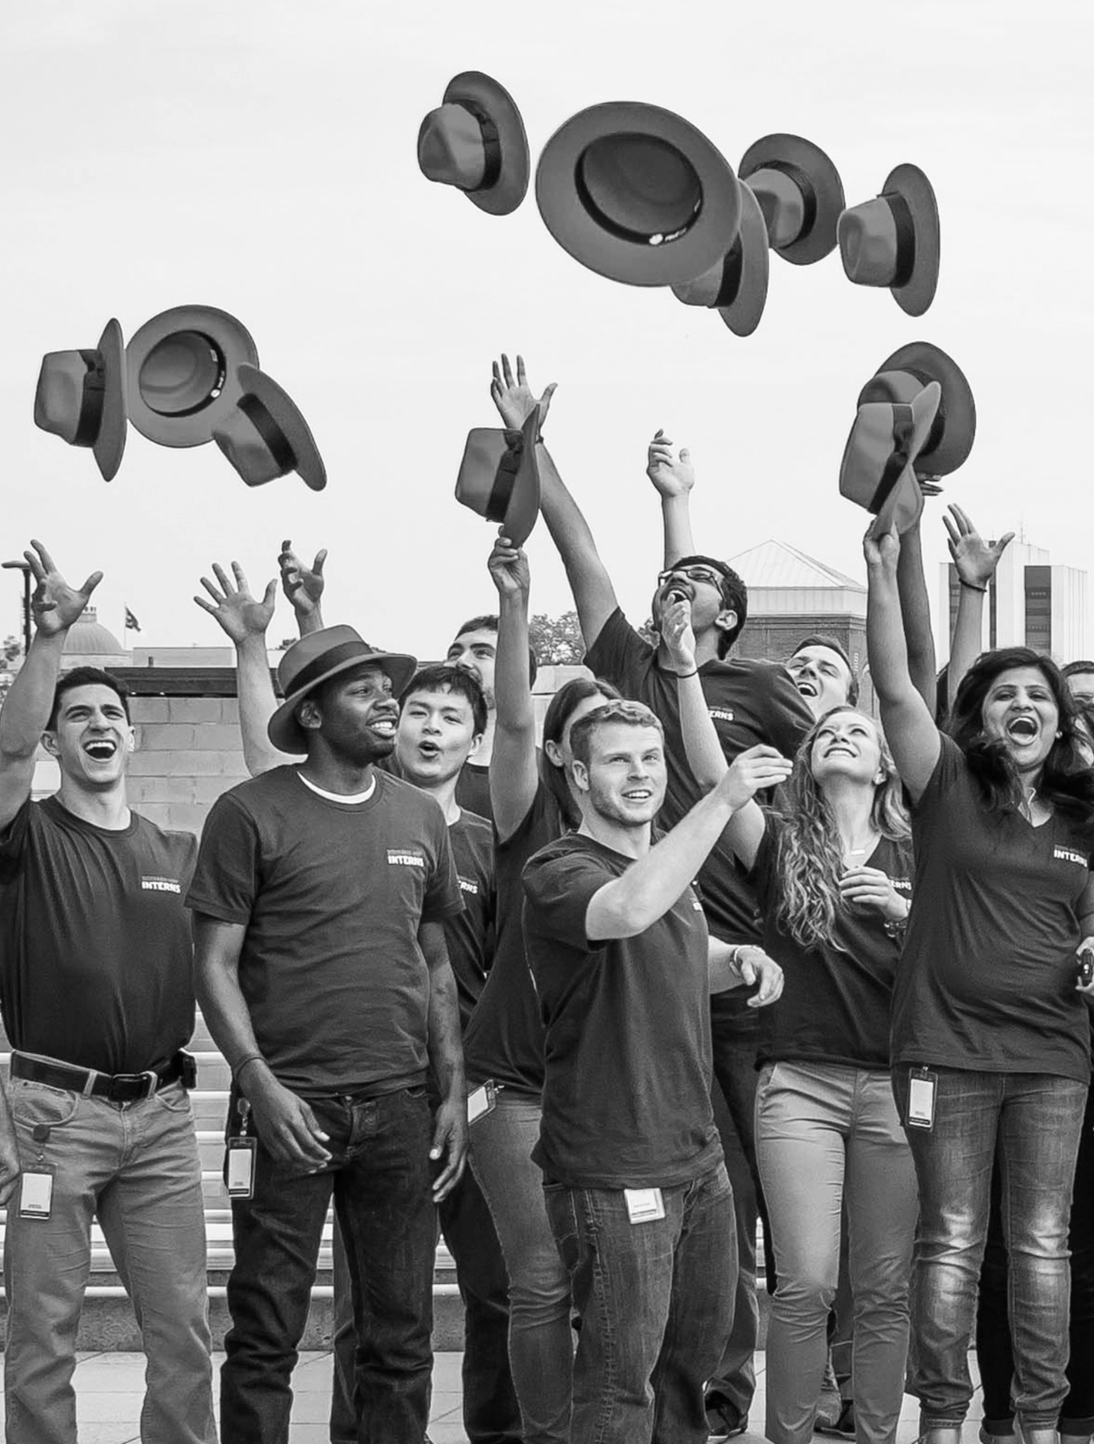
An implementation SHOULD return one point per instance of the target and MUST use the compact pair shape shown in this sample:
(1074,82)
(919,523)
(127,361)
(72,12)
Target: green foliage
(556,640)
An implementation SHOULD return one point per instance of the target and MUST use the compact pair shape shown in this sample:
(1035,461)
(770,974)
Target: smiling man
(96,985)
(822,672)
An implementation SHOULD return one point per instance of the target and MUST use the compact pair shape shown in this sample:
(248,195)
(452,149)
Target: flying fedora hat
(183,380)
(81,398)
(475,141)
(737,285)
(800,194)
(499,476)
(637,194)
(266,435)
(893,240)
(903,375)
(317,657)
(878,467)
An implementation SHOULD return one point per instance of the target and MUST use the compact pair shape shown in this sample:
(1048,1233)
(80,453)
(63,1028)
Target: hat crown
(868,243)
(182,374)
(639,187)
(451,148)
(59,397)
(703,291)
(310,654)
(782,203)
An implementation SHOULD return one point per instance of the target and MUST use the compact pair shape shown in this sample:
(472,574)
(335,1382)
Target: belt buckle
(133,1087)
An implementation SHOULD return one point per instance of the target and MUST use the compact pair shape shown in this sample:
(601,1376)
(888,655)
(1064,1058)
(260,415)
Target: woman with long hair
(503,1044)
(990,1035)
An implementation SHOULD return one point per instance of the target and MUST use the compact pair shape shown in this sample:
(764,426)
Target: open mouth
(100,749)
(839,750)
(676,592)
(806,687)
(639,794)
(429,749)
(385,726)
(1022,729)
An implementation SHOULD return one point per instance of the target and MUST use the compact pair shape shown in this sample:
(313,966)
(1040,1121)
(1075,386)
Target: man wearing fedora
(320,897)
(96,986)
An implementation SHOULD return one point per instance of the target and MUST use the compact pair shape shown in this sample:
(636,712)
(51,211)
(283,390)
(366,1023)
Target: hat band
(326,662)
(275,439)
(905,239)
(732,269)
(938,425)
(491,144)
(497,503)
(91,400)
(903,430)
(805,185)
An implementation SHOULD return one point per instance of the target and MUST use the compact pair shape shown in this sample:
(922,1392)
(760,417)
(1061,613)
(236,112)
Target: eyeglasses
(693,574)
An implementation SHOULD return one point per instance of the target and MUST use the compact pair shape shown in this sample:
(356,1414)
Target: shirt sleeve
(619,655)
(557,894)
(13,842)
(762,876)
(951,765)
(225,881)
(443,898)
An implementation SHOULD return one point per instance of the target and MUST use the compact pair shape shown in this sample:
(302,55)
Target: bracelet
(693,673)
(247,1058)
(973,587)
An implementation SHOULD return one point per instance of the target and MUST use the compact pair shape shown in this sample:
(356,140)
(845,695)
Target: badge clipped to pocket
(644,1204)
(35,1193)
(482,1100)
(921,1091)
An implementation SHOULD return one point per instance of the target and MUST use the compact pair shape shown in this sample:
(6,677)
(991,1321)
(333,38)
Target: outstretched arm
(594,595)
(25,713)
(916,611)
(303,587)
(513,768)
(673,478)
(976,561)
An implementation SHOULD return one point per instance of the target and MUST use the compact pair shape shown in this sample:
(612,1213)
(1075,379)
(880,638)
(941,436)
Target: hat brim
(109,446)
(506,194)
(522,513)
(236,348)
(286,733)
(742,314)
(918,292)
(903,374)
(636,263)
(308,463)
(820,240)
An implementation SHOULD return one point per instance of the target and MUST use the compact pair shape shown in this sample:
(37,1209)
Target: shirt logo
(904,883)
(409,857)
(160,884)
(1065,854)
(467,886)
(721,714)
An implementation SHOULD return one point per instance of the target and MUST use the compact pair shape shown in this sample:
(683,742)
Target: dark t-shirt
(504,1039)
(473,790)
(626,1092)
(332,895)
(836,1001)
(470,934)
(750,702)
(987,981)
(96,962)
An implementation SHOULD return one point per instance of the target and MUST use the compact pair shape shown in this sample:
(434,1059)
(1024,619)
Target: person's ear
(309,715)
(476,746)
(581,775)
(726,620)
(132,740)
(49,742)
(554,753)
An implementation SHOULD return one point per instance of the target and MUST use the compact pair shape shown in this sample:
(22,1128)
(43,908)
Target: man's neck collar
(108,810)
(632,842)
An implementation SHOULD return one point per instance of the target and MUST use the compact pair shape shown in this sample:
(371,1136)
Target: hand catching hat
(475,141)
(183,380)
(894,240)
(800,194)
(266,435)
(637,194)
(81,397)
(903,375)
(499,476)
(737,285)
(878,468)
(317,657)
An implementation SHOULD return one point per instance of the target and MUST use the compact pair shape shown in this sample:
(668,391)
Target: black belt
(117,1087)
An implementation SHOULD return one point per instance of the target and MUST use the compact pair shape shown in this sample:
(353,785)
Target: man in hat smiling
(320,895)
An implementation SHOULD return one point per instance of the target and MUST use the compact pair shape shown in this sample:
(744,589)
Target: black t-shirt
(332,895)
(504,1038)
(987,981)
(96,962)
(473,790)
(626,1092)
(750,702)
(837,997)
(470,934)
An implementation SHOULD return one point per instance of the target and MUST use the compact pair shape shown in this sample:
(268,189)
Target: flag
(131,623)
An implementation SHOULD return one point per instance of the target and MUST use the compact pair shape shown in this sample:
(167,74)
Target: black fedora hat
(81,397)
(800,194)
(882,456)
(499,476)
(266,435)
(901,376)
(737,285)
(475,140)
(182,367)
(637,194)
(894,240)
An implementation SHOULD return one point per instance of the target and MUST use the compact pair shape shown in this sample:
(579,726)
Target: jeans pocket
(36,1104)
(174,1098)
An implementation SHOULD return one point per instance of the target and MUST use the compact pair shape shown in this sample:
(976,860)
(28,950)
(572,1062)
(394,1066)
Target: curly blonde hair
(809,860)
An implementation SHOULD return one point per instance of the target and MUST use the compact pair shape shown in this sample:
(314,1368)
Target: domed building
(90,644)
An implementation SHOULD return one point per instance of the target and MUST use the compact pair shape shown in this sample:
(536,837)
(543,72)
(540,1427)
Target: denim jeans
(994,1353)
(540,1338)
(136,1166)
(1033,1121)
(655,1301)
(380,1176)
(491,1414)
(829,1139)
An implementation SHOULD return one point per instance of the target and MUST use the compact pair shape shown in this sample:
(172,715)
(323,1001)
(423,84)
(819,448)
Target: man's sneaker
(843,1426)
(724,1420)
(830,1400)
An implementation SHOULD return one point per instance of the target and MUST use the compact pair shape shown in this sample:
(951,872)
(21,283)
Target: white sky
(259,155)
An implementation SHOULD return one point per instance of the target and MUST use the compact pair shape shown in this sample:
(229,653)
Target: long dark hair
(1067,780)
(559,711)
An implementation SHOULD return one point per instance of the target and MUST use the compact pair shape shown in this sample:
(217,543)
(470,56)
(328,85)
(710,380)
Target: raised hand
(929,485)
(752,771)
(974,558)
(881,551)
(509,568)
(302,587)
(515,399)
(54,604)
(678,637)
(671,475)
(234,607)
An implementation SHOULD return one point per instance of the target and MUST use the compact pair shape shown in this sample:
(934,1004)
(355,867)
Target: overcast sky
(260,156)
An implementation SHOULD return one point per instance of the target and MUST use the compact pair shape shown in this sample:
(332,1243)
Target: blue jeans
(655,1300)
(135,1166)
(1034,1121)
(380,1176)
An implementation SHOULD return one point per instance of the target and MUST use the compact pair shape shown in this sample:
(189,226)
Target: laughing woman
(991,1039)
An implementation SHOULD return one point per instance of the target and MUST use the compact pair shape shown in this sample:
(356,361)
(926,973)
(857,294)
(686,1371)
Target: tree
(556,640)
(11,659)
